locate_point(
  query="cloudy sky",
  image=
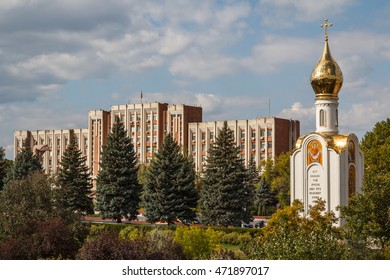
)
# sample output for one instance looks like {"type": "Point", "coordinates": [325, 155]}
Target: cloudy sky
{"type": "Point", "coordinates": [61, 58]}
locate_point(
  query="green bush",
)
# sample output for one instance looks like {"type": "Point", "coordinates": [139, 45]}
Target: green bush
{"type": "Point", "coordinates": [107, 245]}
{"type": "Point", "coordinates": [224, 255]}
{"type": "Point", "coordinates": [244, 238]}
{"type": "Point", "coordinates": [197, 243]}
{"type": "Point", "coordinates": [130, 233]}
{"type": "Point", "coordinates": [252, 231]}
{"type": "Point", "coordinates": [231, 238]}
{"type": "Point", "coordinates": [162, 245]}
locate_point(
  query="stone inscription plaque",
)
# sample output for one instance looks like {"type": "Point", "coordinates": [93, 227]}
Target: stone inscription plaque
{"type": "Point", "coordinates": [315, 182]}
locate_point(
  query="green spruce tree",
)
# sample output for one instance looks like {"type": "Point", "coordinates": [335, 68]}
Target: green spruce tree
{"type": "Point", "coordinates": [25, 163]}
{"type": "Point", "coordinates": [169, 191]}
{"type": "Point", "coordinates": [265, 198]}
{"type": "Point", "coordinates": [3, 168]}
{"type": "Point", "coordinates": [226, 195]}
{"type": "Point", "coordinates": [74, 181]}
{"type": "Point", "coordinates": [117, 188]}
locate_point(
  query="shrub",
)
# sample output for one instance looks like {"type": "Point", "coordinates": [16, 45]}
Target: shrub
{"type": "Point", "coordinates": [221, 254]}
{"type": "Point", "coordinates": [109, 246]}
{"type": "Point", "coordinates": [162, 246]}
{"type": "Point", "coordinates": [197, 243]}
{"type": "Point", "coordinates": [130, 233]}
{"type": "Point", "coordinates": [244, 238]}
{"type": "Point", "coordinates": [43, 240]}
{"type": "Point", "coordinates": [230, 238]}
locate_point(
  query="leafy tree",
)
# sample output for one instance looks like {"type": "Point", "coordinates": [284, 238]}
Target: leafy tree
{"type": "Point", "coordinates": [169, 191]}
{"type": "Point", "coordinates": [117, 188]}
{"type": "Point", "coordinates": [226, 195]}
{"type": "Point", "coordinates": [24, 200]}
{"type": "Point", "coordinates": [74, 181]}
{"type": "Point", "coordinates": [281, 180]}
{"type": "Point", "coordinates": [375, 146]}
{"type": "Point", "coordinates": [277, 175]}
{"type": "Point", "coordinates": [288, 235]}
{"type": "Point", "coordinates": [367, 215]}
{"type": "Point", "coordinates": [33, 225]}
{"type": "Point", "coordinates": [25, 163]}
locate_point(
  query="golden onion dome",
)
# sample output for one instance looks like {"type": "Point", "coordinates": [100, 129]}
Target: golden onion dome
{"type": "Point", "coordinates": [326, 78]}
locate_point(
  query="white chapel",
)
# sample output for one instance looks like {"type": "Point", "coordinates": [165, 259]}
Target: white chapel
{"type": "Point", "coordinates": [326, 164]}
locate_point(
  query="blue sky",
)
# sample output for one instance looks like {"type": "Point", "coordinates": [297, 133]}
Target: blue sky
{"type": "Point", "coordinates": [61, 58]}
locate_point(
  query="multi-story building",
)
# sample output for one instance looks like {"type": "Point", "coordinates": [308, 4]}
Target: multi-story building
{"type": "Point", "coordinates": [260, 139]}
{"type": "Point", "coordinates": [148, 123]}
{"type": "Point", "coordinates": [144, 124]}
{"type": "Point", "coordinates": [98, 130]}
{"type": "Point", "coordinates": [49, 145]}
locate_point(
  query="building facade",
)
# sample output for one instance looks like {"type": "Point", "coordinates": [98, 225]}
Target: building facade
{"type": "Point", "coordinates": [148, 123]}
{"type": "Point", "coordinates": [49, 145]}
{"type": "Point", "coordinates": [99, 123]}
{"type": "Point", "coordinates": [260, 139]}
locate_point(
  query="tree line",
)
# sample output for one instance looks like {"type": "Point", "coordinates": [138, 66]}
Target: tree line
{"type": "Point", "coordinates": [169, 191]}
{"type": "Point", "coordinates": [225, 194]}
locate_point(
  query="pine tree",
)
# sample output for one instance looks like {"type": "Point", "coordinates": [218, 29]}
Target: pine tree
{"type": "Point", "coordinates": [74, 181]}
{"type": "Point", "coordinates": [264, 197]}
{"type": "Point", "coordinates": [117, 188]}
{"type": "Point", "coordinates": [170, 192]}
{"type": "Point", "coordinates": [253, 173]}
{"type": "Point", "coordinates": [226, 195]}
{"type": "Point", "coordinates": [3, 168]}
{"type": "Point", "coordinates": [25, 163]}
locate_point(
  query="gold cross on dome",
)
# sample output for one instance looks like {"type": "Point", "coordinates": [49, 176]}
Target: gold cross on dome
{"type": "Point", "coordinates": [326, 25]}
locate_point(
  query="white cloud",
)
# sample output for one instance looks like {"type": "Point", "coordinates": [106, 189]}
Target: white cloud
{"type": "Point", "coordinates": [285, 13]}
{"type": "Point", "coordinates": [277, 51]}
{"type": "Point", "coordinates": [230, 14]}
{"type": "Point", "coordinates": [210, 103]}
{"type": "Point", "coordinates": [203, 66]}
{"type": "Point", "coordinates": [306, 115]}
{"type": "Point", "coordinates": [362, 114]}
{"type": "Point", "coordinates": [173, 42]}
{"type": "Point", "coordinates": [215, 106]}
{"type": "Point", "coordinates": [60, 65]}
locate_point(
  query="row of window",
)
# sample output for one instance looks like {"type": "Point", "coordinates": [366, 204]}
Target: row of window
{"type": "Point", "coordinates": [242, 134]}
{"type": "Point", "coordinates": [137, 128]}
{"type": "Point", "coordinates": [204, 158]}
{"type": "Point", "coordinates": [242, 146]}
{"type": "Point", "coordinates": [136, 117]}
{"type": "Point", "coordinates": [149, 138]}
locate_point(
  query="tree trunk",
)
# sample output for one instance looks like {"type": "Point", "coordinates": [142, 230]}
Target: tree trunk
{"type": "Point", "coordinates": [119, 220]}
